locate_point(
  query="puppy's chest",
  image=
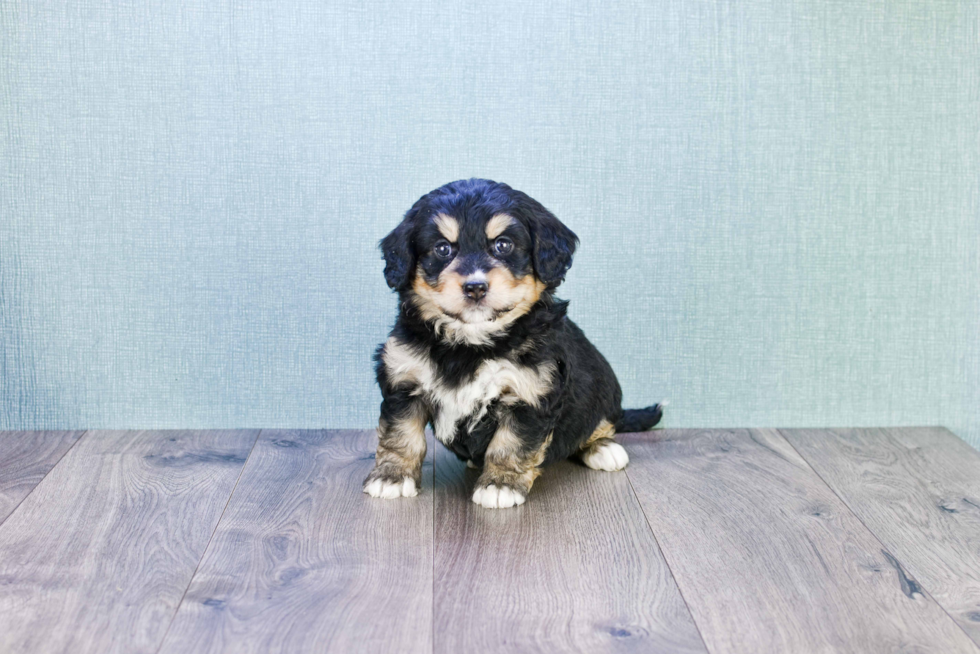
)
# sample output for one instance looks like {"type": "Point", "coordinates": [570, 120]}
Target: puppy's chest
{"type": "Point", "coordinates": [461, 403]}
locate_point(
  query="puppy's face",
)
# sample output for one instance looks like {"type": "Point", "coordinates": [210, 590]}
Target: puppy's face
{"type": "Point", "coordinates": [474, 268]}
{"type": "Point", "coordinates": [476, 253]}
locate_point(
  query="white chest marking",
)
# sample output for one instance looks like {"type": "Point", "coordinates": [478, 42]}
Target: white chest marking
{"type": "Point", "coordinates": [495, 379]}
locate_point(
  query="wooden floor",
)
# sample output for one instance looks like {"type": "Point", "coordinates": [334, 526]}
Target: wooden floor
{"type": "Point", "coordinates": [849, 540]}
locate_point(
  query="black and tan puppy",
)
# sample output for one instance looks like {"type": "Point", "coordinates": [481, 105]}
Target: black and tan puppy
{"type": "Point", "coordinates": [483, 351]}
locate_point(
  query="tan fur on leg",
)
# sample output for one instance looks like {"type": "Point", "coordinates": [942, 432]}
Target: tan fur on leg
{"type": "Point", "coordinates": [508, 470]}
{"type": "Point", "coordinates": [398, 462]}
{"type": "Point", "coordinates": [605, 429]}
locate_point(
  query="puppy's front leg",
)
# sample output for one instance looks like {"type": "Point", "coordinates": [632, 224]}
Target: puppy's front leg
{"type": "Point", "coordinates": [401, 448]}
{"type": "Point", "coordinates": [511, 465]}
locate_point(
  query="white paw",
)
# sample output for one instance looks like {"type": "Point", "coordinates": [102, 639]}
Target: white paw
{"type": "Point", "coordinates": [491, 497]}
{"type": "Point", "coordinates": [608, 456]}
{"type": "Point", "coordinates": [470, 464]}
{"type": "Point", "coordinates": [390, 490]}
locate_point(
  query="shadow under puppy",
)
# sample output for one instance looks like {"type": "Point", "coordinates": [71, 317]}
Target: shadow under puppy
{"type": "Point", "coordinates": [483, 351]}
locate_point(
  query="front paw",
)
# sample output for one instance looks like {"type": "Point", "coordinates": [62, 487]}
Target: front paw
{"type": "Point", "coordinates": [389, 488]}
{"type": "Point", "coordinates": [498, 497]}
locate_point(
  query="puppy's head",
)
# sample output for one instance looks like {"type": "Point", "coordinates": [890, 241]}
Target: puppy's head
{"type": "Point", "coordinates": [475, 252]}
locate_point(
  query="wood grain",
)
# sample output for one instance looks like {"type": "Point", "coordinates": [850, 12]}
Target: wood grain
{"type": "Point", "coordinates": [25, 457]}
{"type": "Point", "coordinates": [97, 557]}
{"type": "Point", "coordinates": [303, 561]}
{"type": "Point", "coordinates": [918, 490]}
{"type": "Point", "coordinates": [575, 569]}
{"type": "Point", "coordinates": [769, 558]}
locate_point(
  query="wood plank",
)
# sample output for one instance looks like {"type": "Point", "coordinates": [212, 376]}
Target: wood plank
{"type": "Point", "coordinates": [769, 559]}
{"type": "Point", "coordinates": [918, 490]}
{"type": "Point", "coordinates": [25, 457]}
{"type": "Point", "coordinates": [303, 561]}
{"type": "Point", "coordinates": [574, 569]}
{"type": "Point", "coordinates": [97, 557]}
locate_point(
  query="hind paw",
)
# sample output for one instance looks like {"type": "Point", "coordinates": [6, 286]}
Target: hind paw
{"type": "Point", "coordinates": [607, 456]}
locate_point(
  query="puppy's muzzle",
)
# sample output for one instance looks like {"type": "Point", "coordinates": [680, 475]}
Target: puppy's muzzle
{"type": "Point", "coordinates": [475, 290]}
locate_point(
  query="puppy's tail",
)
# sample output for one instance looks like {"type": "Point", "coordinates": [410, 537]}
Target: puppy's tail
{"type": "Point", "coordinates": [634, 420]}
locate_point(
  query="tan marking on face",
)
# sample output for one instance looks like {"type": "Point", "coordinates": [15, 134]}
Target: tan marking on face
{"type": "Point", "coordinates": [457, 320]}
{"type": "Point", "coordinates": [605, 429]}
{"type": "Point", "coordinates": [443, 297]}
{"type": "Point", "coordinates": [448, 227]}
{"type": "Point", "coordinates": [497, 225]}
{"type": "Point", "coordinates": [509, 291]}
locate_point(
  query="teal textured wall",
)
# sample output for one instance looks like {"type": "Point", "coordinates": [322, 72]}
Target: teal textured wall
{"type": "Point", "coordinates": [779, 202]}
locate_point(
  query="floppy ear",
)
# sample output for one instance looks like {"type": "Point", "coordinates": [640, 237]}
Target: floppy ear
{"type": "Point", "coordinates": [399, 253]}
{"type": "Point", "coordinates": [554, 244]}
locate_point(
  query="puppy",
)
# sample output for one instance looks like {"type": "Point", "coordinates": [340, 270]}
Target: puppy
{"type": "Point", "coordinates": [483, 351]}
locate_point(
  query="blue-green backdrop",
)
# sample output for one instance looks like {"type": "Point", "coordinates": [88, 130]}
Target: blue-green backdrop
{"type": "Point", "coordinates": [778, 201]}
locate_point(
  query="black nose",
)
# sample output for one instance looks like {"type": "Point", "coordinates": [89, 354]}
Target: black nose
{"type": "Point", "coordinates": [475, 290]}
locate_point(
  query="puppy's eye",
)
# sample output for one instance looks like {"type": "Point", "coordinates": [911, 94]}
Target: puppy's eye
{"type": "Point", "coordinates": [503, 246]}
{"type": "Point", "coordinates": [443, 250]}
